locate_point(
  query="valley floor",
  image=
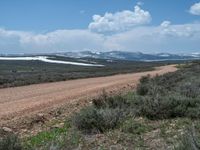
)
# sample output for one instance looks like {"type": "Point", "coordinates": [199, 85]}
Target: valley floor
{"type": "Point", "coordinates": [24, 101]}
{"type": "Point", "coordinates": [159, 113]}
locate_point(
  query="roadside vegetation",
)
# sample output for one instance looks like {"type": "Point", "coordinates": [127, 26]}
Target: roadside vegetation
{"type": "Point", "coordinates": [162, 113]}
{"type": "Point", "coordinates": [18, 73]}
{"type": "Point", "coordinates": [9, 141]}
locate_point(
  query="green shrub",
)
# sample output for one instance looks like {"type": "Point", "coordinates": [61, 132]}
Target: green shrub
{"type": "Point", "coordinates": [94, 120]}
{"type": "Point", "coordinates": [190, 88]}
{"type": "Point", "coordinates": [142, 89]}
{"type": "Point", "coordinates": [164, 107]}
{"type": "Point", "coordinates": [105, 101]}
{"type": "Point", "coordinates": [134, 127]}
{"type": "Point", "coordinates": [10, 142]}
{"type": "Point", "coordinates": [150, 87]}
{"type": "Point", "coordinates": [175, 94]}
{"type": "Point", "coordinates": [193, 112]}
{"type": "Point", "coordinates": [88, 119]}
{"type": "Point", "coordinates": [145, 79]}
{"type": "Point", "coordinates": [189, 141]}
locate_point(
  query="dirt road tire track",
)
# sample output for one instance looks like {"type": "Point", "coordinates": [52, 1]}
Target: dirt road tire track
{"type": "Point", "coordinates": [19, 101]}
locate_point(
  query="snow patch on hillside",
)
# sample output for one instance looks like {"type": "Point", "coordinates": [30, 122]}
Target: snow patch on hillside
{"type": "Point", "coordinates": [45, 59]}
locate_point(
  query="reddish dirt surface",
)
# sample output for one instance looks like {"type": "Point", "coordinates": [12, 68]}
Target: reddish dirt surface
{"type": "Point", "coordinates": [18, 102]}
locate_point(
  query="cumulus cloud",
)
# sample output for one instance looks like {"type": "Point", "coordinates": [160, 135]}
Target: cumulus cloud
{"type": "Point", "coordinates": [195, 9]}
{"type": "Point", "coordinates": [174, 38]}
{"type": "Point", "coordinates": [163, 38]}
{"type": "Point", "coordinates": [120, 21]}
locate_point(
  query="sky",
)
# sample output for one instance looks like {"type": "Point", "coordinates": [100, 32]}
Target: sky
{"type": "Point", "coordinates": [150, 26]}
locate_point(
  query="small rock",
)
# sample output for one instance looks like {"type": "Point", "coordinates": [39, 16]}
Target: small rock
{"type": "Point", "coordinates": [6, 129]}
{"type": "Point", "coordinates": [40, 115]}
{"type": "Point", "coordinates": [61, 125]}
{"type": "Point", "coordinates": [24, 130]}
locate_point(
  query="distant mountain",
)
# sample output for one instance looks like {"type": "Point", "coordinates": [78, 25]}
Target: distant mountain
{"type": "Point", "coordinates": [119, 55]}
{"type": "Point", "coordinates": [135, 56]}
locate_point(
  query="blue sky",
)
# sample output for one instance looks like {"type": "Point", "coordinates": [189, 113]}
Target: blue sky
{"type": "Point", "coordinates": [28, 26]}
{"type": "Point", "coordinates": [42, 15]}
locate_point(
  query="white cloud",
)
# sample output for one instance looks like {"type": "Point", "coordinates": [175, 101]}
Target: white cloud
{"type": "Point", "coordinates": [163, 38]}
{"type": "Point", "coordinates": [165, 24]}
{"type": "Point", "coordinates": [139, 3]}
{"type": "Point", "coordinates": [174, 38]}
{"type": "Point", "coordinates": [59, 40]}
{"type": "Point", "coordinates": [195, 9]}
{"type": "Point", "coordinates": [120, 21]}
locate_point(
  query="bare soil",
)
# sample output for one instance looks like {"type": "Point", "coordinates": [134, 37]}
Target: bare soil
{"type": "Point", "coordinates": [19, 102]}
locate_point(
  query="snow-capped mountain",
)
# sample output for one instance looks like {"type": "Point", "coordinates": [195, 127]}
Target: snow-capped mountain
{"type": "Point", "coordinates": [120, 55]}
{"type": "Point", "coordinates": [135, 56]}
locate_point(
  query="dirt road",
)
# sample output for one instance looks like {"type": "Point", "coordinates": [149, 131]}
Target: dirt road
{"type": "Point", "coordinates": [19, 101]}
